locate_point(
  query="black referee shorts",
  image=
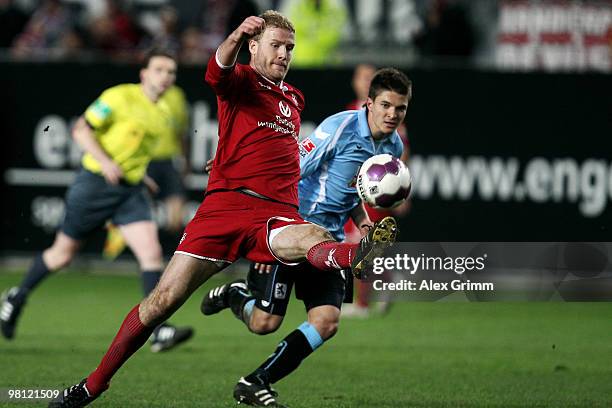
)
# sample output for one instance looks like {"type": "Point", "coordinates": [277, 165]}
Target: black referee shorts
{"type": "Point", "coordinates": [91, 201]}
{"type": "Point", "coordinates": [167, 177]}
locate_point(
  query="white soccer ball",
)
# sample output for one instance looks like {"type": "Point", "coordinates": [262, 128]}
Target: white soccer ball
{"type": "Point", "coordinates": [383, 181]}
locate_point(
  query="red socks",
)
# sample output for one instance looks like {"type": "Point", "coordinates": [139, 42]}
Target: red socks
{"type": "Point", "coordinates": [327, 256]}
{"type": "Point", "coordinates": [332, 255]}
{"type": "Point", "coordinates": [131, 336]}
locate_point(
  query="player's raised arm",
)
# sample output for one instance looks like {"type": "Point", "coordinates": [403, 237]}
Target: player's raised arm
{"type": "Point", "coordinates": [228, 50]}
{"type": "Point", "coordinates": [83, 134]}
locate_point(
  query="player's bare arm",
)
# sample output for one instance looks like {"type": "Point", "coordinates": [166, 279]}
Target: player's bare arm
{"type": "Point", "coordinates": [85, 137]}
{"type": "Point", "coordinates": [361, 218]}
{"type": "Point", "coordinates": [228, 50]}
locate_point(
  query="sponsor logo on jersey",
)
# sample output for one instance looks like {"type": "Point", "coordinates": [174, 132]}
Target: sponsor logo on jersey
{"type": "Point", "coordinates": [285, 110]}
{"type": "Point", "coordinates": [306, 146]}
{"type": "Point", "coordinates": [294, 99]}
{"type": "Point", "coordinates": [280, 291]}
{"type": "Point", "coordinates": [265, 303]}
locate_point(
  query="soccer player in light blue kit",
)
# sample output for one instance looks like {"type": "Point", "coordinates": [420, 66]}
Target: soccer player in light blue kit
{"type": "Point", "coordinates": [330, 160]}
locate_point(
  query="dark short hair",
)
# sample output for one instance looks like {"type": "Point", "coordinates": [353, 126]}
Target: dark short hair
{"type": "Point", "coordinates": [390, 79]}
{"type": "Point", "coordinates": [157, 52]}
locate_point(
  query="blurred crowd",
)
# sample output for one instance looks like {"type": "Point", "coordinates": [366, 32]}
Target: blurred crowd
{"type": "Point", "coordinates": [60, 29]}
{"type": "Point", "coordinates": [65, 29]}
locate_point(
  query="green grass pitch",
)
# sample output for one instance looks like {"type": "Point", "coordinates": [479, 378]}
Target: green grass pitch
{"type": "Point", "coordinates": [442, 354]}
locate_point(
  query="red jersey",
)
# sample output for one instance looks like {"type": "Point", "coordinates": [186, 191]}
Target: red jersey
{"type": "Point", "coordinates": [259, 124]}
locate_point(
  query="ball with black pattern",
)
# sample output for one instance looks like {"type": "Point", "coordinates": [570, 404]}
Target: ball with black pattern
{"type": "Point", "coordinates": [383, 181]}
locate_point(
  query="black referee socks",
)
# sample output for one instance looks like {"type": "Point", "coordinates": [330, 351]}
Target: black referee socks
{"type": "Point", "coordinates": [149, 280]}
{"type": "Point", "coordinates": [36, 274]}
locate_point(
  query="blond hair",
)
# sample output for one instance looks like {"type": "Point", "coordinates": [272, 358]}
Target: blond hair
{"type": "Point", "coordinates": [275, 19]}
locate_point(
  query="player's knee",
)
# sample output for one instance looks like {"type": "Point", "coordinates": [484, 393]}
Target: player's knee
{"type": "Point", "coordinates": [329, 330]}
{"type": "Point", "coordinates": [57, 258]}
{"type": "Point", "coordinates": [63, 260]}
{"type": "Point", "coordinates": [314, 235]}
{"type": "Point", "coordinates": [327, 327]}
{"type": "Point", "coordinates": [264, 325]}
{"type": "Point", "coordinates": [320, 234]}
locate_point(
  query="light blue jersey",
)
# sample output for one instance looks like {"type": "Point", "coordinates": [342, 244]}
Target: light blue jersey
{"type": "Point", "coordinates": [330, 160]}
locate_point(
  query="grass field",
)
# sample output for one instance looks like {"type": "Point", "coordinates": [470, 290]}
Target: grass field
{"type": "Point", "coordinates": [442, 354]}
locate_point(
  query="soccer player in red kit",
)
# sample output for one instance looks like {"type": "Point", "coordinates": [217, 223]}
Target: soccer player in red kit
{"type": "Point", "coordinates": [250, 208]}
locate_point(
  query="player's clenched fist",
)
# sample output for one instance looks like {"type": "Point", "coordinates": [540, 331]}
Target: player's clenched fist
{"type": "Point", "coordinates": [250, 26]}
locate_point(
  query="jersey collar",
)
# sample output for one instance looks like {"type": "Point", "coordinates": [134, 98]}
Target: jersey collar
{"type": "Point", "coordinates": [280, 86]}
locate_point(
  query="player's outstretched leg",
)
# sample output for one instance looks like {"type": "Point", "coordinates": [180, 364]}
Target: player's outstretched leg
{"type": "Point", "coordinates": [76, 396]}
{"type": "Point", "coordinates": [257, 395]}
{"type": "Point", "coordinates": [255, 389]}
{"type": "Point", "coordinates": [232, 295]}
{"type": "Point", "coordinates": [142, 238]}
{"type": "Point", "coordinates": [11, 303]}
{"type": "Point", "coordinates": [131, 336]}
{"type": "Point", "coordinates": [57, 256]}
{"type": "Point", "coordinates": [182, 277]}
{"type": "Point", "coordinates": [14, 299]}
{"type": "Point", "coordinates": [382, 234]}
{"type": "Point", "coordinates": [165, 336]}
{"type": "Point", "coordinates": [328, 255]}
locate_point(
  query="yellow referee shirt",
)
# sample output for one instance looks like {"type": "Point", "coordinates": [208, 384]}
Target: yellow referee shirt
{"type": "Point", "coordinates": [133, 130]}
{"type": "Point", "coordinates": [170, 142]}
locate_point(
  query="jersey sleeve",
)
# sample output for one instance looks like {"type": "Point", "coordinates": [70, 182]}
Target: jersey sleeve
{"type": "Point", "coordinates": [319, 147]}
{"type": "Point", "coordinates": [100, 113]}
{"type": "Point", "coordinates": [223, 80]}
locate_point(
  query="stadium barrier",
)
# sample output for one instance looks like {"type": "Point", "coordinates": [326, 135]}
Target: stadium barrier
{"type": "Point", "coordinates": [495, 156]}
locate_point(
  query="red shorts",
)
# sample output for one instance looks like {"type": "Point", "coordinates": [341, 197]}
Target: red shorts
{"type": "Point", "coordinates": [229, 225]}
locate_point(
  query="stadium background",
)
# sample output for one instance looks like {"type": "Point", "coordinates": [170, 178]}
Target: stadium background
{"type": "Point", "coordinates": [509, 131]}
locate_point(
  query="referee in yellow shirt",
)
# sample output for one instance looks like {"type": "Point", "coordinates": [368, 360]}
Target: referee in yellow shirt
{"type": "Point", "coordinates": [168, 162]}
{"type": "Point", "coordinates": [119, 133]}
{"type": "Point", "coordinates": [165, 171]}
